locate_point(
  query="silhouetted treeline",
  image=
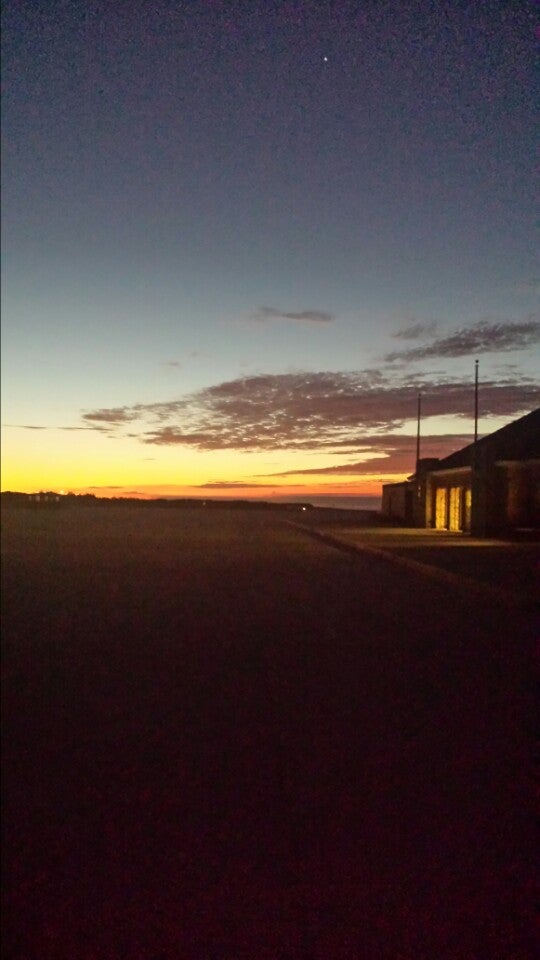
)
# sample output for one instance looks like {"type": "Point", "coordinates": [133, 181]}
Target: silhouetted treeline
{"type": "Point", "coordinates": [48, 498]}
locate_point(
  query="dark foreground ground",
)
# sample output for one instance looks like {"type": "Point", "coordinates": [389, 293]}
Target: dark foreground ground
{"type": "Point", "coordinates": [226, 741]}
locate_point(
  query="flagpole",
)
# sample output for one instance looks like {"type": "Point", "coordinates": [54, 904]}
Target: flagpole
{"type": "Point", "coordinates": [475, 401]}
{"type": "Point", "coordinates": [418, 430]}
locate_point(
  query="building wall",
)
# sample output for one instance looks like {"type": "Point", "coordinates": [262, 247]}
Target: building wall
{"type": "Point", "coordinates": [397, 501]}
{"type": "Point", "coordinates": [523, 493]}
{"type": "Point", "coordinates": [496, 498]}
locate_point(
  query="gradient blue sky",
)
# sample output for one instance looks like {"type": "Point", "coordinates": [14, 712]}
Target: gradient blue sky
{"type": "Point", "coordinates": [210, 193]}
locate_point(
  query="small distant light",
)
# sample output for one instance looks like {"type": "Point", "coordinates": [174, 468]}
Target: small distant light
{"type": "Point", "coordinates": [325, 59]}
{"type": "Point", "coordinates": [303, 508]}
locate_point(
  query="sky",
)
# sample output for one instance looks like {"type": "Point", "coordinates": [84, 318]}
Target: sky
{"type": "Point", "coordinates": [240, 237]}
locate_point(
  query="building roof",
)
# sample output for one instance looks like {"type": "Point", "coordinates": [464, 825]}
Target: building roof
{"type": "Point", "coordinates": [519, 440]}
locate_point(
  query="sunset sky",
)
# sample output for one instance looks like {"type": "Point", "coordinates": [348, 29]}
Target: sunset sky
{"type": "Point", "coordinates": [239, 237]}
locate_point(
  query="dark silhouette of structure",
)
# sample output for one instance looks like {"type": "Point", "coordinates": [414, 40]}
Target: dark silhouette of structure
{"type": "Point", "coordinates": [489, 487]}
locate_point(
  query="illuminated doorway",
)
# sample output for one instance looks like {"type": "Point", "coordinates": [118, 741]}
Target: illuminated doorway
{"type": "Point", "coordinates": [468, 507]}
{"type": "Point", "coordinates": [440, 508]}
{"type": "Point", "coordinates": [454, 513]}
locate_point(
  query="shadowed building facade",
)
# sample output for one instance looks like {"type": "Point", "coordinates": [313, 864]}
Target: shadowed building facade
{"type": "Point", "coordinates": [489, 487]}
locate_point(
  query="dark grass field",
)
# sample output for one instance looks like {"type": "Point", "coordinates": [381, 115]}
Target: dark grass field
{"type": "Point", "coordinates": [226, 741]}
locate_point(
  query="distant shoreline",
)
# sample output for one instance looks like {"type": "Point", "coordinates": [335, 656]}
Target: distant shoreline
{"type": "Point", "coordinates": [340, 503]}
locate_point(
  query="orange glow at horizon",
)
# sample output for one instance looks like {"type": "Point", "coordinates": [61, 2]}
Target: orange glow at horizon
{"type": "Point", "coordinates": [243, 491]}
{"type": "Point", "coordinates": [89, 463]}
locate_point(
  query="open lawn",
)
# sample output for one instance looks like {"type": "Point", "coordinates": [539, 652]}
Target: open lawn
{"type": "Point", "coordinates": [224, 740]}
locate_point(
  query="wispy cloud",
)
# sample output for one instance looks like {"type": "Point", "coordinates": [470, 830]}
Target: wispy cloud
{"type": "Point", "coordinates": [106, 486]}
{"type": "Point", "coordinates": [310, 411]}
{"type": "Point", "coordinates": [264, 314]}
{"type": "Point", "coordinates": [180, 364]}
{"type": "Point", "coordinates": [34, 426]}
{"type": "Point", "coordinates": [25, 426]}
{"type": "Point", "coordinates": [483, 337]}
{"type": "Point", "coordinates": [416, 330]}
{"type": "Point", "coordinates": [234, 485]}
{"type": "Point", "coordinates": [112, 415]}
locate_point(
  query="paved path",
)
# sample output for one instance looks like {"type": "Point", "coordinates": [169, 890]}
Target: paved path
{"type": "Point", "coordinates": [225, 740]}
{"type": "Point", "coordinates": [507, 571]}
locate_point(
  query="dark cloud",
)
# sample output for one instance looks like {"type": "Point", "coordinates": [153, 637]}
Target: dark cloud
{"type": "Point", "coordinates": [262, 314]}
{"type": "Point", "coordinates": [32, 426]}
{"type": "Point", "coordinates": [106, 486]}
{"type": "Point", "coordinates": [395, 454]}
{"type": "Point", "coordinates": [312, 411]}
{"type": "Point", "coordinates": [233, 485]}
{"type": "Point", "coordinates": [416, 330]}
{"type": "Point", "coordinates": [26, 426]}
{"type": "Point", "coordinates": [170, 436]}
{"type": "Point", "coordinates": [179, 364]}
{"type": "Point", "coordinates": [112, 415]}
{"type": "Point", "coordinates": [483, 337]}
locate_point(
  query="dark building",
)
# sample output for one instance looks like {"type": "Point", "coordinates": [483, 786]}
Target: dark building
{"type": "Point", "coordinates": [406, 501]}
{"type": "Point", "coordinates": [489, 487]}
{"type": "Point", "coordinates": [44, 498]}
{"type": "Point", "coordinates": [397, 501]}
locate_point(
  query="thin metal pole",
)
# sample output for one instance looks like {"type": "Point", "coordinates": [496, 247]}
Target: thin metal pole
{"type": "Point", "coordinates": [475, 401]}
{"type": "Point", "coordinates": [418, 429]}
